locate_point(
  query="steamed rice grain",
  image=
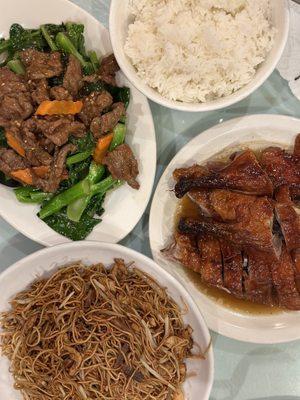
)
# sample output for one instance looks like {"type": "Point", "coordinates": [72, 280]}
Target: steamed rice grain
{"type": "Point", "coordinates": [198, 50]}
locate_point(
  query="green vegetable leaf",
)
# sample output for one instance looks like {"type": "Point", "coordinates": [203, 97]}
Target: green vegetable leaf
{"type": "Point", "coordinates": [119, 94]}
{"type": "Point", "coordinates": [72, 230]}
{"type": "Point", "coordinates": [76, 34]}
{"type": "Point", "coordinates": [85, 143]}
{"type": "Point", "coordinates": [20, 38]}
{"type": "Point", "coordinates": [77, 172]}
{"type": "Point", "coordinates": [95, 206]}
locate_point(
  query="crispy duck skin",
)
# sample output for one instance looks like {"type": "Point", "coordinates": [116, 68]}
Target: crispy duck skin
{"type": "Point", "coordinates": [258, 281]}
{"type": "Point", "coordinates": [288, 217]}
{"type": "Point", "coordinates": [243, 174]}
{"type": "Point", "coordinates": [251, 222]}
{"type": "Point", "coordinates": [184, 249]}
{"type": "Point", "coordinates": [284, 281]}
{"type": "Point", "coordinates": [224, 205]}
{"type": "Point", "coordinates": [296, 265]}
{"type": "Point", "coordinates": [232, 269]}
{"type": "Point", "coordinates": [195, 171]}
{"type": "Point", "coordinates": [282, 167]}
{"type": "Point", "coordinates": [211, 261]}
{"type": "Point", "coordinates": [297, 146]}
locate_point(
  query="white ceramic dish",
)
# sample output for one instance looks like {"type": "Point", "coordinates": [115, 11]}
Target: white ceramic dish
{"type": "Point", "coordinates": [21, 274]}
{"type": "Point", "coordinates": [258, 131]}
{"type": "Point", "coordinates": [123, 207]}
{"type": "Point", "coordinates": [120, 18]}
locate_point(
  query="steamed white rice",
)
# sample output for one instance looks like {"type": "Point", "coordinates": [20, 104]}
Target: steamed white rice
{"type": "Point", "coordinates": [198, 50]}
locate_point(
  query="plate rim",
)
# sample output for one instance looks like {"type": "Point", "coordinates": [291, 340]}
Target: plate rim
{"type": "Point", "coordinates": [226, 329]}
{"type": "Point", "coordinates": [104, 246]}
{"type": "Point", "coordinates": [64, 239]}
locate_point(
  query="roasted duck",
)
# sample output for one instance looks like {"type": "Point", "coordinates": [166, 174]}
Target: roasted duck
{"type": "Point", "coordinates": [246, 237]}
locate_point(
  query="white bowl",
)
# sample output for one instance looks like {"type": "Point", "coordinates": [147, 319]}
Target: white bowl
{"type": "Point", "coordinates": [256, 131]}
{"type": "Point", "coordinates": [123, 207]}
{"type": "Point", "coordinates": [20, 275]}
{"type": "Point", "coordinates": [119, 20]}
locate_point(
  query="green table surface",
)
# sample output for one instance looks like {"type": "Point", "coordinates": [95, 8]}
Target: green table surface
{"type": "Point", "coordinates": [243, 371]}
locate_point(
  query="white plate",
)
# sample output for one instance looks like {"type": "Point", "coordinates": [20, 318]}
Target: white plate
{"type": "Point", "coordinates": [259, 131]}
{"type": "Point", "coordinates": [123, 207]}
{"type": "Point", "coordinates": [21, 274]}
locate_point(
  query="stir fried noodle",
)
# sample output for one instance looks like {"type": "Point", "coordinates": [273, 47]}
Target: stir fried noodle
{"type": "Point", "coordinates": [91, 333]}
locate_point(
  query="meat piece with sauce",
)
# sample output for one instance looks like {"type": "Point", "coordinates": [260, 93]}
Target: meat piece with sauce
{"type": "Point", "coordinates": [39, 90]}
{"type": "Point", "coordinates": [94, 105]}
{"type": "Point", "coordinates": [250, 225]}
{"type": "Point", "coordinates": [282, 167]}
{"type": "Point", "coordinates": [73, 77]}
{"type": "Point", "coordinates": [58, 129]}
{"type": "Point", "coordinates": [122, 165]}
{"type": "Point", "coordinates": [57, 170]}
{"type": "Point", "coordinates": [108, 69]}
{"type": "Point", "coordinates": [107, 122]}
{"type": "Point", "coordinates": [10, 161]}
{"type": "Point", "coordinates": [40, 65]}
{"type": "Point", "coordinates": [243, 174]}
{"type": "Point", "coordinates": [15, 98]}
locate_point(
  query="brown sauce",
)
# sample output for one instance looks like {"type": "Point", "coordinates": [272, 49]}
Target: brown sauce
{"type": "Point", "coordinates": [187, 208]}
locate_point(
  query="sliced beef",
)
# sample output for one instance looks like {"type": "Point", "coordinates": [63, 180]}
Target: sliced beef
{"type": "Point", "coordinates": [297, 146]}
{"type": "Point", "coordinates": [195, 171]}
{"type": "Point", "coordinates": [282, 167]}
{"type": "Point", "coordinates": [35, 154]}
{"type": "Point", "coordinates": [73, 76]}
{"type": "Point", "coordinates": [258, 282]}
{"type": "Point", "coordinates": [41, 65]}
{"type": "Point", "coordinates": [46, 144]}
{"type": "Point", "coordinates": [232, 269]}
{"type": "Point", "coordinates": [56, 128]}
{"type": "Point", "coordinates": [184, 249]}
{"type": "Point", "coordinates": [94, 105]}
{"type": "Point", "coordinates": [57, 170]}
{"type": "Point", "coordinates": [39, 90]}
{"type": "Point", "coordinates": [108, 69]}
{"type": "Point", "coordinates": [60, 93]}
{"type": "Point", "coordinates": [243, 174]}
{"type": "Point", "coordinates": [122, 165]}
{"type": "Point", "coordinates": [107, 122]}
{"type": "Point", "coordinates": [211, 261]}
{"type": "Point", "coordinates": [284, 281]}
{"type": "Point", "coordinates": [10, 161]}
{"type": "Point", "coordinates": [252, 228]}
{"type": "Point", "coordinates": [15, 99]}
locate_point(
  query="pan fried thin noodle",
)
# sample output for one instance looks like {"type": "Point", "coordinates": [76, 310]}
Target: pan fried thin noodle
{"type": "Point", "coordinates": [90, 333]}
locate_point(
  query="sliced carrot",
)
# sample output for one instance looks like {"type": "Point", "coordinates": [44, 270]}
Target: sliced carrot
{"type": "Point", "coordinates": [41, 171]}
{"type": "Point", "coordinates": [25, 175]}
{"type": "Point", "coordinates": [14, 143]}
{"type": "Point", "coordinates": [59, 107]}
{"type": "Point", "coordinates": [102, 148]}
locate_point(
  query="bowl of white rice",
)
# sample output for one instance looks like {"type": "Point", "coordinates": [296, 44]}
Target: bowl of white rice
{"type": "Point", "coordinates": [198, 55]}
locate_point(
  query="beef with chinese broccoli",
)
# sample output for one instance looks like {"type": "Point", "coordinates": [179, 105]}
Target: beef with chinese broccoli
{"type": "Point", "coordinates": [62, 126]}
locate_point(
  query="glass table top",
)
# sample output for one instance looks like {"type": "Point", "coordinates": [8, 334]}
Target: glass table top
{"type": "Point", "coordinates": [243, 371]}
